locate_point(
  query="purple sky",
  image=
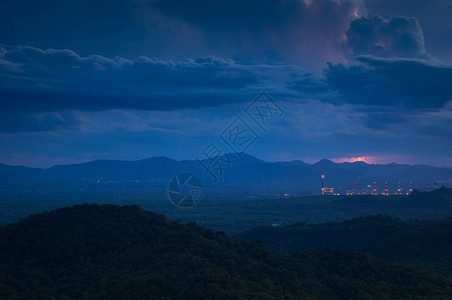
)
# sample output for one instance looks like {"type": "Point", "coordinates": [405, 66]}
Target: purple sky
{"type": "Point", "coordinates": [356, 80]}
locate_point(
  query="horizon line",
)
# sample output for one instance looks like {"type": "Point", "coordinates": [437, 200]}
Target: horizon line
{"type": "Point", "coordinates": [79, 162]}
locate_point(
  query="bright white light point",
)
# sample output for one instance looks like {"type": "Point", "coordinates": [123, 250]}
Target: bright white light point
{"type": "Point", "coordinates": [355, 13]}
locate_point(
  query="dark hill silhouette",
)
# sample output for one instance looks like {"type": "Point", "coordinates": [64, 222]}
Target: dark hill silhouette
{"type": "Point", "coordinates": [105, 252]}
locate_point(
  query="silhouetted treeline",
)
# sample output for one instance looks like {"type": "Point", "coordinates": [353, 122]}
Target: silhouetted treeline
{"type": "Point", "coordinates": [426, 243]}
{"type": "Point", "coordinates": [105, 252]}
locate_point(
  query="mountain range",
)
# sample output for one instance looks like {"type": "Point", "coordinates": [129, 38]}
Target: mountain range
{"type": "Point", "coordinates": [247, 174]}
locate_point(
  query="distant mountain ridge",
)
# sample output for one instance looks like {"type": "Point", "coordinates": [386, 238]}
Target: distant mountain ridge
{"type": "Point", "coordinates": [291, 177]}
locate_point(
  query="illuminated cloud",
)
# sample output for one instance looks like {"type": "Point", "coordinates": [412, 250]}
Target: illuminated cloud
{"type": "Point", "coordinates": [397, 37]}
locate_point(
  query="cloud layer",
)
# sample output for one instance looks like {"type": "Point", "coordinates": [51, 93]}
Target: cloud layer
{"type": "Point", "coordinates": [36, 79]}
{"type": "Point", "coordinates": [39, 80]}
{"type": "Point", "coordinates": [137, 78]}
{"type": "Point", "coordinates": [392, 82]}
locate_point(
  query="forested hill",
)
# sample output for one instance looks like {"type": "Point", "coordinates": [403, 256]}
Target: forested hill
{"type": "Point", "coordinates": [426, 243]}
{"type": "Point", "coordinates": [112, 252]}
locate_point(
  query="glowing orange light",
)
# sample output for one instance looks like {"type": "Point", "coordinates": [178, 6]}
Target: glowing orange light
{"type": "Point", "coordinates": [366, 159]}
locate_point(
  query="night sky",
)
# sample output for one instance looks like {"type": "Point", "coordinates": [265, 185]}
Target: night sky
{"type": "Point", "coordinates": [101, 79]}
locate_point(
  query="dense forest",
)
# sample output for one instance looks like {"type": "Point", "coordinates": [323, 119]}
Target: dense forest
{"type": "Point", "coordinates": [108, 251]}
{"type": "Point", "coordinates": [422, 243]}
{"type": "Point", "coordinates": [234, 215]}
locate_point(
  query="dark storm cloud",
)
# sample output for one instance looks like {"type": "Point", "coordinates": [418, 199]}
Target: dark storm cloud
{"type": "Point", "coordinates": [291, 30]}
{"type": "Point", "coordinates": [432, 15]}
{"type": "Point", "coordinates": [383, 81]}
{"type": "Point", "coordinates": [394, 37]}
{"type": "Point", "coordinates": [294, 31]}
{"type": "Point", "coordinates": [100, 26]}
{"type": "Point", "coordinates": [37, 79]}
